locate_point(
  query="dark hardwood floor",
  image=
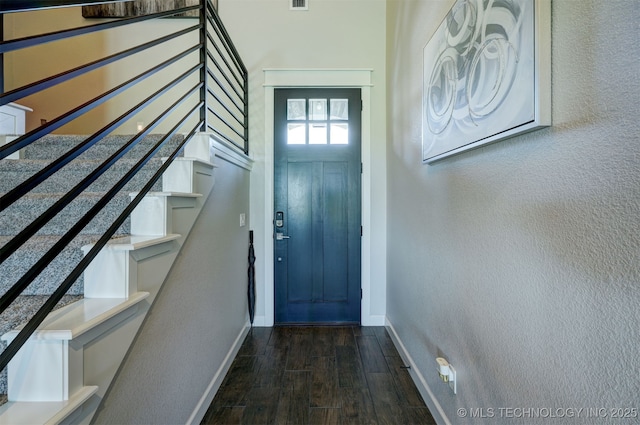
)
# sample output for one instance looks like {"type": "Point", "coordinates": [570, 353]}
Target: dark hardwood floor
{"type": "Point", "coordinates": [318, 375]}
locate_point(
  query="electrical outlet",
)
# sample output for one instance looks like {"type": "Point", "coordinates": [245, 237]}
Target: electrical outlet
{"type": "Point", "coordinates": [243, 220]}
{"type": "Point", "coordinates": [453, 379]}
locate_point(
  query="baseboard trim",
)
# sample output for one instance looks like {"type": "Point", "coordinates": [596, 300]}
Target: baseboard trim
{"type": "Point", "coordinates": [206, 399]}
{"type": "Point", "coordinates": [262, 322]}
{"type": "Point", "coordinates": [374, 320]}
{"type": "Point", "coordinates": [432, 403]}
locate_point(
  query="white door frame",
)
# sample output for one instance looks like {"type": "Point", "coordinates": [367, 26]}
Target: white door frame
{"type": "Point", "coordinates": [287, 78]}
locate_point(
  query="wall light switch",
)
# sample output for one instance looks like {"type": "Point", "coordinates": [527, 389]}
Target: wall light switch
{"type": "Point", "coordinates": [243, 220]}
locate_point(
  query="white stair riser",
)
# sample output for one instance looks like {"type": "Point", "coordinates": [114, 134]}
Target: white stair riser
{"type": "Point", "coordinates": [50, 366]}
{"type": "Point", "coordinates": [151, 217]}
{"type": "Point", "coordinates": [111, 274]}
{"type": "Point", "coordinates": [199, 147]}
{"type": "Point", "coordinates": [179, 177]}
{"type": "Point", "coordinates": [154, 214]}
{"type": "Point", "coordinates": [45, 370]}
{"type": "Point", "coordinates": [58, 364]}
{"type": "Point", "coordinates": [114, 271]}
{"type": "Point", "coordinates": [4, 140]}
{"type": "Point", "coordinates": [182, 175]}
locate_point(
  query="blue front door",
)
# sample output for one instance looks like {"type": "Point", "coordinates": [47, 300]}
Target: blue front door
{"type": "Point", "coordinates": [317, 205]}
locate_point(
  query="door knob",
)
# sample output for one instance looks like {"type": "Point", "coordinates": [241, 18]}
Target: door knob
{"type": "Point", "coordinates": [281, 236]}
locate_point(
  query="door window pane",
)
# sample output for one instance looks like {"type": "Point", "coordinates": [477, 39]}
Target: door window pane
{"type": "Point", "coordinates": [317, 109]}
{"type": "Point", "coordinates": [339, 109]}
{"type": "Point", "coordinates": [296, 134]}
{"type": "Point", "coordinates": [296, 109]}
{"type": "Point", "coordinates": [318, 134]}
{"type": "Point", "coordinates": [339, 134]}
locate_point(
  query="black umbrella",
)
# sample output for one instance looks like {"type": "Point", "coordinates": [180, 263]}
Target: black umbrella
{"type": "Point", "coordinates": [251, 290]}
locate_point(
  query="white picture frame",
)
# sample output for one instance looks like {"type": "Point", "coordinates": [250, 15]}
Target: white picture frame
{"type": "Point", "coordinates": [486, 75]}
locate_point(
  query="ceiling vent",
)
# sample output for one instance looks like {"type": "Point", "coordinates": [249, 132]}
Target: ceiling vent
{"type": "Point", "coordinates": [298, 4]}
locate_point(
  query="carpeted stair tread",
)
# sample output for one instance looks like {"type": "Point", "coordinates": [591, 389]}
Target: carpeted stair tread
{"type": "Point", "coordinates": [55, 145]}
{"type": "Point", "coordinates": [18, 215]}
{"type": "Point", "coordinates": [12, 269]}
{"type": "Point", "coordinates": [14, 172]}
{"type": "Point", "coordinates": [13, 317]}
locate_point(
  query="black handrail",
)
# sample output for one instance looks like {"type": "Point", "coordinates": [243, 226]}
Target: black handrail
{"type": "Point", "coordinates": [47, 307]}
{"type": "Point", "coordinates": [240, 89]}
{"type": "Point", "coordinates": [65, 200]}
{"type": "Point", "coordinates": [226, 38]}
{"type": "Point", "coordinates": [223, 121]}
{"type": "Point", "coordinates": [33, 181]}
{"type": "Point", "coordinates": [222, 56]}
{"type": "Point", "coordinates": [202, 19]}
{"type": "Point", "coordinates": [51, 254]}
{"type": "Point", "coordinates": [225, 106]}
{"type": "Point", "coordinates": [35, 40]}
{"type": "Point", "coordinates": [213, 111]}
{"type": "Point", "coordinates": [223, 87]}
{"type": "Point", "coordinates": [46, 83]}
{"type": "Point", "coordinates": [37, 268]}
{"type": "Point", "coordinates": [66, 118]}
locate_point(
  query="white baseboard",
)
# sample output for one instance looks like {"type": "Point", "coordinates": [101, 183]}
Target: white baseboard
{"type": "Point", "coordinates": [206, 399]}
{"type": "Point", "coordinates": [374, 320]}
{"type": "Point", "coordinates": [261, 322]}
{"type": "Point", "coordinates": [418, 379]}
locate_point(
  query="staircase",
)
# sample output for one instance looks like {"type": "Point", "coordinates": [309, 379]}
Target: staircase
{"type": "Point", "coordinates": [61, 374]}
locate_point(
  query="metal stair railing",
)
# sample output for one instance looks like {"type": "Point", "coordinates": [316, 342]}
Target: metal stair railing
{"type": "Point", "coordinates": [216, 104]}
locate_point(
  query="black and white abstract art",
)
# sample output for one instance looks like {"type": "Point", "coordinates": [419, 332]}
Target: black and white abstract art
{"type": "Point", "coordinates": [486, 75]}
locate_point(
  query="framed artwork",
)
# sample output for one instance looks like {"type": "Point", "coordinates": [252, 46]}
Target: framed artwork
{"type": "Point", "coordinates": [487, 75]}
{"type": "Point", "coordinates": [140, 7]}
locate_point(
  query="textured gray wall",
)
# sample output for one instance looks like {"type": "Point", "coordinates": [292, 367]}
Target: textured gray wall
{"type": "Point", "coordinates": [196, 317]}
{"type": "Point", "coordinates": [520, 262]}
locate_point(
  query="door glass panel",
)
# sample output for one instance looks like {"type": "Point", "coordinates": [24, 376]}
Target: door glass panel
{"type": "Point", "coordinates": [339, 134]}
{"type": "Point", "coordinates": [317, 109]}
{"type": "Point", "coordinates": [339, 109]}
{"type": "Point", "coordinates": [296, 109]}
{"type": "Point", "coordinates": [318, 134]}
{"type": "Point", "coordinates": [296, 134]}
